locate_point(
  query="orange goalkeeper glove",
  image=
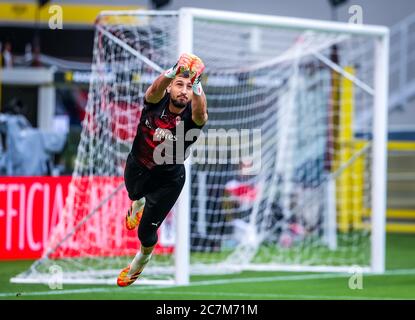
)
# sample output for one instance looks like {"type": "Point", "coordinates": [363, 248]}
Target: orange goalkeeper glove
{"type": "Point", "coordinates": [196, 69]}
{"type": "Point", "coordinates": [181, 66]}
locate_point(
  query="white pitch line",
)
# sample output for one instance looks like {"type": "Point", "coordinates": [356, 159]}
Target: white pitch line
{"type": "Point", "coordinates": [267, 295]}
{"type": "Point", "coordinates": [218, 294]}
{"type": "Point", "coordinates": [154, 289]}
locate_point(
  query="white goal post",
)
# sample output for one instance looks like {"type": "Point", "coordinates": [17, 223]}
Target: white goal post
{"type": "Point", "coordinates": [316, 91]}
{"type": "Point", "coordinates": [379, 149]}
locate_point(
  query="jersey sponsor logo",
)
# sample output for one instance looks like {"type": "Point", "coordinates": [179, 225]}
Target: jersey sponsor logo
{"type": "Point", "coordinates": [164, 134]}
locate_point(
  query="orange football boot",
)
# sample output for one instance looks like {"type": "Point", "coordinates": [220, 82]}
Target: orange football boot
{"type": "Point", "coordinates": [134, 213]}
{"type": "Point", "coordinates": [124, 280]}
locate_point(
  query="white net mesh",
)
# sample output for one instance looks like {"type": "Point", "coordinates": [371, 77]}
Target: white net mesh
{"type": "Point", "coordinates": [306, 206]}
{"type": "Point", "coordinates": [280, 177]}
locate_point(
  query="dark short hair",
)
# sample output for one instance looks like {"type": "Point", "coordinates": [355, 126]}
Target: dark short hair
{"type": "Point", "coordinates": [185, 74]}
{"type": "Point", "coordinates": [181, 75]}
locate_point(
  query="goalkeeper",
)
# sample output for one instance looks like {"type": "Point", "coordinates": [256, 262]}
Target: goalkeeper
{"type": "Point", "coordinates": [174, 98]}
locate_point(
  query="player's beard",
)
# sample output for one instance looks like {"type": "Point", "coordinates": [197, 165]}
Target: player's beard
{"type": "Point", "coordinates": [178, 104]}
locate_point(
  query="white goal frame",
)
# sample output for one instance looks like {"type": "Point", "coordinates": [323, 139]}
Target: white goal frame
{"type": "Point", "coordinates": [379, 147]}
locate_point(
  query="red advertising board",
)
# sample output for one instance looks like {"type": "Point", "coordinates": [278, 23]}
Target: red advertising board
{"type": "Point", "coordinates": [29, 209]}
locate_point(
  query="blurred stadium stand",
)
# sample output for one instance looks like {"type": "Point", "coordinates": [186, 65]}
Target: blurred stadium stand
{"type": "Point", "coordinates": [401, 161]}
{"type": "Point", "coordinates": [26, 151]}
{"type": "Point", "coordinates": [51, 80]}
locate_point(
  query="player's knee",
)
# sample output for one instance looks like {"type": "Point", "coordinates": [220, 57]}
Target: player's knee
{"type": "Point", "coordinates": [131, 196]}
{"type": "Point", "coordinates": [148, 236]}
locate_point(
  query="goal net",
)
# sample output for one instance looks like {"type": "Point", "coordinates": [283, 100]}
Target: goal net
{"type": "Point", "coordinates": [283, 175]}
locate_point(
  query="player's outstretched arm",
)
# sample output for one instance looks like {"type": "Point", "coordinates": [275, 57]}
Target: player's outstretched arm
{"type": "Point", "coordinates": [199, 103]}
{"type": "Point", "coordinates": [158, 88]}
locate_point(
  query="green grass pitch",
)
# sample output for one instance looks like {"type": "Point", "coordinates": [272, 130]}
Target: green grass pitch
{"type": "Point", "coordinates": [397, 283]}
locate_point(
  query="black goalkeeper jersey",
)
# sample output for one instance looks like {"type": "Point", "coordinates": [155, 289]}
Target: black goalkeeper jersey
{"type": "Point", "coordinates": [160, 126]}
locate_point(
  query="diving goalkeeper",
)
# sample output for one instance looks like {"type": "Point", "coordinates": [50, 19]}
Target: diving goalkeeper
{"type": "Point", "coordinates": [174, 99]}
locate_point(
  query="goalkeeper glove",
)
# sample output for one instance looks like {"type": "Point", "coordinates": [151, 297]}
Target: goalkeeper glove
{"type": "Point", "coordinates": [181, 66]}
{"type": "Point", "coordinates": [196, 69]}
{"type": "Point", "coordinates": [197, 86]}
{"type": "Point", "coordinates": [191, 64]}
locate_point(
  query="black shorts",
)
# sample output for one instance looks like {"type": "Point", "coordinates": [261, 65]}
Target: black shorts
{"type": "Point", "coordinates": [161, 187]}
{"type": "Point", "coordinates": [141, 181]}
